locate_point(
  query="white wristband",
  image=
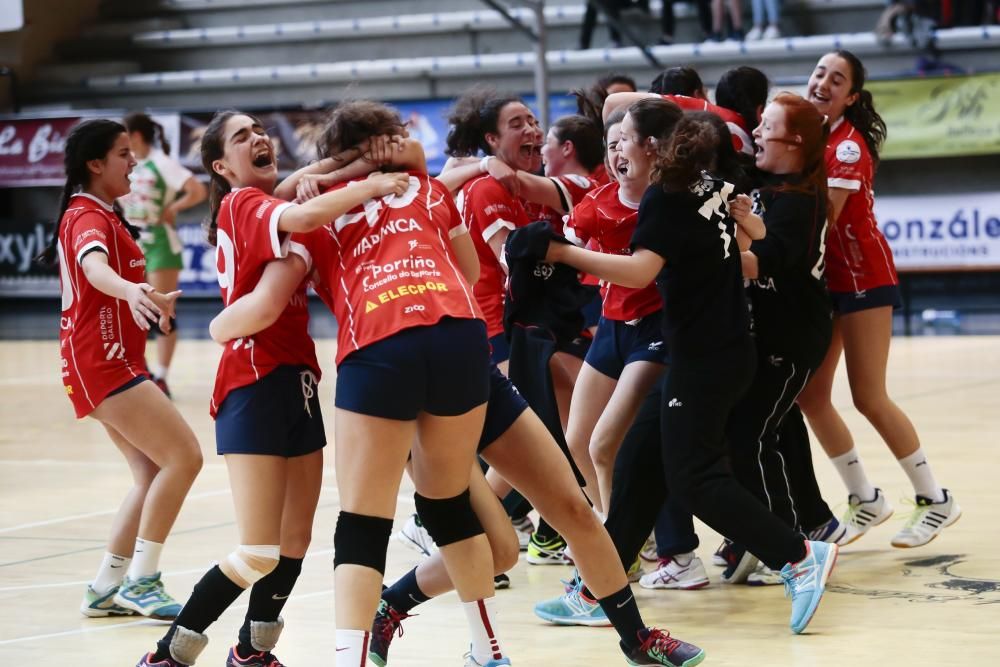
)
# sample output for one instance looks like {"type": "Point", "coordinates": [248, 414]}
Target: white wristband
{"type": "Point", "coordinates": [484, 164]}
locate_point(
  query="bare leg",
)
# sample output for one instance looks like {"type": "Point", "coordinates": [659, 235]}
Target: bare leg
{"type": "Point", "coordinates": [816, 401]}
{"type": "Point", "coordinates": [565, 369]}
{"type": "Point", "coordinates": [305, 478]}
{"type": "Point", "coordinates": [125, 526]}
{"type": "Point", "coordinates": [590, 397]}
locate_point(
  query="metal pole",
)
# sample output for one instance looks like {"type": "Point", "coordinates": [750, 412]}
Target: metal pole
{"type": "Point", "coordinates": [541, 63]}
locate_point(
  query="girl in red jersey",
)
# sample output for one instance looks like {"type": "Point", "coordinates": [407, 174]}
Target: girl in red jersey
{"type": "Point", "coordinates": [267, 416]}
{"type": "Point", "coordinates": [627, 355]}
{"type": "Point", "coordinates": [106, 313]}
{"type": "Point", "coordinates": [861, 277]}
{"type": "Point", "coordinates": [412, 360]}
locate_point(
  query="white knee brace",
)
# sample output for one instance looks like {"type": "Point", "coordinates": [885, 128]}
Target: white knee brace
{"type": "Point", "coordinates": [250, 563]}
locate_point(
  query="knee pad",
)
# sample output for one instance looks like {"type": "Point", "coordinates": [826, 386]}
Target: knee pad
{"type": "Point", "coordinates": [186, 645]}
{"type": "Point", "coordinates": [448, 520]}
{"type": "Point", "coordinates": [361, 540]}
{"type": "Point", "coordinates": [250, 563]}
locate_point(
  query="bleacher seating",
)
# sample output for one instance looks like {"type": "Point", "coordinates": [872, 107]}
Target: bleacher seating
{"type": "Point", "coordinates": [183, 53]}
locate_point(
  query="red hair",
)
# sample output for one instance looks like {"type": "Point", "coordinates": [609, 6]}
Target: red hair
{"type": "Point", "coordinates": [813, 129]}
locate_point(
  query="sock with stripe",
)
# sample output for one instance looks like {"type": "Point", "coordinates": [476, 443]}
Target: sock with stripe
{"type": "Point", "coordinates": [482, 628]}
{"type": "Point", "coordinates": [352, 648]}
{"type": "Point", "coordinates": [111, 573]}
{"type": "Point", "coordinates": [405, 594]}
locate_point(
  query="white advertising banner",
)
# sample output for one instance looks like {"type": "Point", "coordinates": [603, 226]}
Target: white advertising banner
{"type": "Point", "coordinates": [942, 231]}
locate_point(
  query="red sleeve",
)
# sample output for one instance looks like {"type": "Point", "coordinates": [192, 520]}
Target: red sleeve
{"type": "Point", "coordinates": [90, 231]}
{"type": "Point", "coordinates": [574, 188]}
{"type": "Point", "coordinates": [308, 246]}
{"type": "Point", "coordinates": [582, 221]}
{"type": "Point", "coordinates": [849, 164]}
{"type": "Point", "coordinates": [454, 222]}
{"type": "Point", "coordinates": [494, 207]}
{"type": "Point", "coordinates": [255, 218]}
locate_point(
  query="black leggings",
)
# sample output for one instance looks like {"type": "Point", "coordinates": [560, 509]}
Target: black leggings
{"type": "Point", "coordinates": [769, 444]}
{"type": "Point", "coordinates": [688, 456]}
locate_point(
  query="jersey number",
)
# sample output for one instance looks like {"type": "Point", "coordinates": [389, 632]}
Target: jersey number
{"type": "Point", "coordinates": [718, 206]}
{"type": "Point", "coordinates": [820, 266]}
{"type": "Point", "coordinates": [374, 206]}
{"type": "Point", "coordinates": [224, 253]}
{"type": "Point", "coordinates": [726, 239]}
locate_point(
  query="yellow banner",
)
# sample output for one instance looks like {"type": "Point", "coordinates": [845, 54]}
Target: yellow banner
{"type": "Point", "coordinates": [939, 117]}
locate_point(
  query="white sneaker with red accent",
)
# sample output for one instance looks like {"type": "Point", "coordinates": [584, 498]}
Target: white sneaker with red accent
{"type": "Point", "coordinates": [683, 571]}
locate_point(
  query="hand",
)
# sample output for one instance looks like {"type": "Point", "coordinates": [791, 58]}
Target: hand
{"type": "Point", "coordinates": [169, 216]}
{"type": "Point", "coordinates": [389, 184]}
{"type": "Point", "coordinates": [381, 149]}
{"type": "Point", "coordinates": [499, 170]}
{"type": "Point", "coordinates": [167, 305]}
{"type": "Point", "coordinates": [312, 185]}
{"type": "Point", "coordinates": [740, 207]}
{"type": "Point", "coordinates": [144, 310]}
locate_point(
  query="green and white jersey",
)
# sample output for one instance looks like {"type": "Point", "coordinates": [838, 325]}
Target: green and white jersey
{"type": "Point", "coordinates": [155, 183]}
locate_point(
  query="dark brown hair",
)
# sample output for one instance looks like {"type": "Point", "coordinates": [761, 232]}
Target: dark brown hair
{"type": "Point", "coordinates": [351, 123]}
{"type": "Point", "coordinates": [680, 80]}
{"type": "Point", "coordinates": [690, 150]}
{"type": "Point", "coordinates": [90, 140]}
{"type": "Point", "coordinates": [862, 114]}
{"type": "Point", "coordinates": [475, 114]}
{"type": "Point", "coordinates": [586, 138]}
{"type": "Point", "coordinates": [213, 145]}
{"type": "Point", "coordinates": [655, 118]}
{"type": "Point", "coordinates": [150, 131]}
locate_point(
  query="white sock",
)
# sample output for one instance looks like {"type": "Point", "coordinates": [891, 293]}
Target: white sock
{"type": "Point", "coordinates": [111, 572]}
{"type": "Point", "coordinates": [852, 471]}
{"type": "Point", "coordinates": [919, 471]}
{"type": "Point", "coordinates": [159, 371]}
{"type": "Point", "coordinates": [146, 559]}
{"type": "Point", "coordinates": [684, 559]}
{"type": "Point", "coordinates": [482, 627]}
{"type": "Point", "coordinates": [352, 648]}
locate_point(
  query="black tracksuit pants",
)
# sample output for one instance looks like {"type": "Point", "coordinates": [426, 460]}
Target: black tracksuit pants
{"type": "Point", "coordinates": [769, 444]}
{"type": "Point", "coordinates": [690, 458]}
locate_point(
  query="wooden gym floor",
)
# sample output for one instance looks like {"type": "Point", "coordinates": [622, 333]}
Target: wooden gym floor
{"type": "Point", "coordinates": [60, 482]}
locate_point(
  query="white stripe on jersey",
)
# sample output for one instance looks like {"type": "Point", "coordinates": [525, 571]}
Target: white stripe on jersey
{"type": "Point", "coordinates": [79, 375]}
{"type": "Point", "coordinates": [347, 294]}
{"type": "Point", "coordinates": [279, 248]}
{"type": "Point", "coordinates": [90, 246]}
{"type": "Point", "coordinates": [303, 252]}
{"type": "Point", "coordinates": [844, 183]}
{"type": "Point", "coordinates": [492, 230]}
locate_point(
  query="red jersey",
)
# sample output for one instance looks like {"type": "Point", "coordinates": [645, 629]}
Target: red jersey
{"type": "Point", "coordinates": [388, 265]}
{"type": "Point", "coordinates": [572, 189]}
{"type": "Point", "coordinates": [102, 347]}
{"type": "Point", "coordinates": [857, 255]}
{"type": "Point", "coordinates": [486, 208]}
{"type": "Point", "coordinates": [247, 239]}
{"type": "Point", "coordinates": [742, 141]}
{"type": "Point", "coordinates": [607, 222]}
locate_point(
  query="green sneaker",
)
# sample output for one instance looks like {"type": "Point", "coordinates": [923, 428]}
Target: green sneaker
{"type": "Point", "coordinates": [146, 596]}
{"type": "Point", "coordinates": [552, 552]}
{"type": "Point", "coordinates": [96, 605]}
{"type": "Point", "coordinates": [572, 608]}
{"type": "Point", "coordinates": [635, 572]}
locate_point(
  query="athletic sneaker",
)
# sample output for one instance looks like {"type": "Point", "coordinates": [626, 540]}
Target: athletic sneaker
{"type": "Point", "coordinates": [552, 552]}
{"type": "Point", "coordinates": [471, 662]}
{"type": "Point", "coordinates": [764, 576]}
{"type": "Point", "coordinates": [719, 557]}
{"type": "Point", "coordinates": [927, 521]}
{"type": "Point", "coordinates": [648, 552]}
{"type": "Point", "coordinates": [739, 564]}
{"type": "Point", "coordinates": [261, 659]}
{"type": "Point", "coordinates": [415, 536]}
{"type": "Point", "coordinates": [572, 608]}
{"type": "Point", "coordinates": [96, 605]}
{"type": "Point", "coordinates": [162, 384]}
{"type": "Point", "coordinates": [634, 573]}
{"type": "Point", "coordinates": [683, 571]}
{"type": "Point", "coordinates": [147, 596]}
{"type": "Point", "coordinates": [524, 529]}
{"type": "Point", "coordinates": [832, 531]}
{"type": "Point", "coordinates": [863, 515]}
{"type": "Point", "coordinates": [501, 581]}
{"type": "Point", "coordinates": [147, 661]}
{"type": "Point", "coordinates": [805, 581]}
{"type": "Point", "coordinates": [659, 648]}
{"type": "Point", "coordinates": [387, 623]}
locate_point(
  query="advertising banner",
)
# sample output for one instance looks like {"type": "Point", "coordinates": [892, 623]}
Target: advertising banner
{"type": "Point", "coordinates": [939, 117]}
{"type": "Point", "coordinates": [942, 232]}
{"type": "Point", "coordinates": [31, 151]}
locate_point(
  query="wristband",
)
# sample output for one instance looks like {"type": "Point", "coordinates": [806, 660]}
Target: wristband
{"type": "Point", "coordinates": [484, 164]}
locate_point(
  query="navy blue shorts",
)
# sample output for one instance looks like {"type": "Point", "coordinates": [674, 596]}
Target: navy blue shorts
{"type": "Point", "coordinates": [442, 369]}
{"type": "Point", "coordinates": [138, 379]}
{"type": "Point", "coordinates": [617, 344]}
{"type": "Point", "coordinates": [877, 297]}
{"type": "Point", "coordinates": [278, 415]}
{"type": "Point", "coordinates": [592, 311]}
{"type": "Point", "coordinates": [499, 349]}
{"type": "Point", "coordinates": [504, 407]}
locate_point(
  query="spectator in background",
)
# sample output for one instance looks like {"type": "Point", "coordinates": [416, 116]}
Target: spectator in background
{"type": "Point", "coordinates": [765, 11]}
{"type": "Point", "coordinates": [613, 9]}
{"type": "Point", "coordinates": [680, 80]}
{"type": "Point", "coordinates": [735, 8]}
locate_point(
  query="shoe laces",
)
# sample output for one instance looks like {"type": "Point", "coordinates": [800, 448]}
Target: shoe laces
{"type": "Point", "coordinates": [154, 586]}
{"type": "Point", "coordinates": [308, 379]}
{"type": "Point", "coordinates": [915, 515]}
{"type": "Point", "coordinates": [573, 583]}
{"type": "Point", "coordinates": [392, 621]}
{"type": "Point", "coordinates": [661, 641]}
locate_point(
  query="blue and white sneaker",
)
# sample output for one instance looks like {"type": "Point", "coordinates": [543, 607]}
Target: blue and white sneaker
{"type": "Point", "coordinates": [831, 531]}
{"type": "Point", "coordinates": [96, 605]}
{"type": "Point", "coordinates": [805, 581]}
{"type": "Point", "coordinates": [572, 608]}
{"type": "Point", "coordinates": [147, 596]}
{"type": "Point", "coordinates": [471, 662]}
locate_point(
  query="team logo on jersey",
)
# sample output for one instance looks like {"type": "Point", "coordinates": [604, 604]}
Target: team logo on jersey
{"type": "Point", "coordinates": [848, 151]}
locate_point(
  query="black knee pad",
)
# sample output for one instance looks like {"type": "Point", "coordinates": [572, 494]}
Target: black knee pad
{"type": "Point", "coordinates": [361, 540]}
{"type": "Point", "coordinates": [448, 520]}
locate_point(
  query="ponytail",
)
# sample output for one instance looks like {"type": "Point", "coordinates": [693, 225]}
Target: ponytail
{"type": "Point", "coordinates": [475, 114]}
{"type": "Point", "coordinates": [690, 150]}
{"type": "Point", "coordinates": [89, 140]}
{"type": "Point", "coordinates": [212, 149]}
{"type": "Point", "coordinates": [862, 114]}
{"type": "Point", "coordinates": [150, 131]}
